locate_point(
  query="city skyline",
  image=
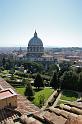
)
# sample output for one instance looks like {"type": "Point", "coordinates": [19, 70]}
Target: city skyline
{"type": "Point", "coordinates": [58, 22]}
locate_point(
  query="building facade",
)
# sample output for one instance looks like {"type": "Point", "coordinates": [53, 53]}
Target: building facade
{"type": "Point", "coordinates": [8, 98]}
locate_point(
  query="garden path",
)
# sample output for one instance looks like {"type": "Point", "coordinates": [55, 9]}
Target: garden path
{"type": "Point", "coordinates": [57, 99]}
{"type": "Point", "coordinates": [49, 99]}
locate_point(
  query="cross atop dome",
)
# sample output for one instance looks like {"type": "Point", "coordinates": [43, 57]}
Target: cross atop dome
{"type": "Point", "coordinates": [35, 34]}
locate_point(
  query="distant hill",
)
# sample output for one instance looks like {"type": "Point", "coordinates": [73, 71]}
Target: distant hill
{"type": "Point", "coordinates": [10, 49]}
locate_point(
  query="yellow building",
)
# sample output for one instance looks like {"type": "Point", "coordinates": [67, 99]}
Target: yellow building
{"type": "Point", "coordinates": [8, 98]}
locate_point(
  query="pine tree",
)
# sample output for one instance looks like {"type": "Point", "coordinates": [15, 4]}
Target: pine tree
{"type": "Point", "coordinates": [38, 82]}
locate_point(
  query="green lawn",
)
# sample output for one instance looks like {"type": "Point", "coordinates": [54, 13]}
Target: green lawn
{"type": "Point", "coordinates": [46, 92]}
{"type": "Point", "coordinates": [69, 96]}
{"type": "Point", "coordinates": [20, 90]}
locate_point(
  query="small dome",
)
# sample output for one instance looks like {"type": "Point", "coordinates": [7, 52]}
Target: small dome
{"type": "Point", "coordinates": [35, 41]}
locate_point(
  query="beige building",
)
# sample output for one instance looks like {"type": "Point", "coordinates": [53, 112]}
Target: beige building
{"type": "Point", "coordinates": [8, 98]}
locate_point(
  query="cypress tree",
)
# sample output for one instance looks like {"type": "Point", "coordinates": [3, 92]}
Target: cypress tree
{"type": "Point", "coordinates": [29, 91]}
{"type": "Point", "coordinates": [54, 81]}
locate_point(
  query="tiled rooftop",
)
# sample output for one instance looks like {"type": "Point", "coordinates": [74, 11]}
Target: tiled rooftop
{"type": "Point", "coordinates": [53, 115]}
{"type": "Point", "coordinates": [7, 93]}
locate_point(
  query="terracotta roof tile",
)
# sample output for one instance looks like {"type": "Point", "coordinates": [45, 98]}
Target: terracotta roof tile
{"type": "Point", "coordinates": [54, 119]}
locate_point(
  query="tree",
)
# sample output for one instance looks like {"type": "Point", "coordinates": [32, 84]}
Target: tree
{"type": "Point", "coordinates": [64, 66]}
{"type": "Point", "coordinates": [37, 67]}
{"type": "Point", "coordinates": [29, 91]}
{"type": "Point", "coordinates": [75, 68]}
{"type": "Point", "coordinates": [80, 81]}
{"type": "Point", "coordinates": [38, 82]}
{"type": "Point", "coordinates": [33, 67]}
{"type": "Point", "coordinates": [69, 80]}
{"type": "Point", "coordinates": [54, 81]}
{"type": "Point", "coordinates": [41, 99]}
{"type": "Point", "coordinates": [12, 71]}
{"type": "Point", "coordinates": [53, 67]}
{"type": "Point", "coordinates": [78, 69]}
{"type": "Point", "coordinates": [3, 61]}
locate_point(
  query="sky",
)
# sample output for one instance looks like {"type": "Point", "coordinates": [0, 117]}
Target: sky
{"type": "Point", "coordinates": [58, 23]}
